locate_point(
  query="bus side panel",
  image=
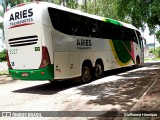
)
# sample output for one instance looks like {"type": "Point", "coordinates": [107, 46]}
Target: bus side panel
{"type": "Point", "coordinates": [108, 66]}
{"type": "Point", "coordinates": [61, 65]}
{"type": "Point", "coordinates": [74, 64]}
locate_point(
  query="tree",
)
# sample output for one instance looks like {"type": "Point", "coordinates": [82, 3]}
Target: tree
{"type": "Point", "coordinates": [72, 4]}
{"type": "Point", "coordinates": [106, 8]}
{"type": "Point", "coordinates": [3, 55]}
{"type": "Point", "coordinates": [158, 36]}
{"type": "Point", "coordinates": [140, 12]}
{"type": "Point", "coordinates": [16, 2]}
{"type": "Point", "coordinates": [1, 23]}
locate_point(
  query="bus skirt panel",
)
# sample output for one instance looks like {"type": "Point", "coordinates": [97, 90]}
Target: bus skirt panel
{"type": "Point", "coordinates": [46, 73]}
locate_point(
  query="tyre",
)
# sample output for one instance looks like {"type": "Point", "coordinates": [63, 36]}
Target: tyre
{"type": "Point", "coordinates": [86, 74]}
{"type": "Point", "coordinates": [99, 70]}
{"type": "Point", "coordinates": [137, 62]}
{"type": "Point", "coordinates": [52, 81]}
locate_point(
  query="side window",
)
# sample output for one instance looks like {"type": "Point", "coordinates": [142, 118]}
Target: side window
{"type": "Point", "coordinates": [116, 32]}
{"type": "Point", "coordinates": [125, 34]}
{"type": "Point", "coordinates": [128, 35]}
{"type": "Point", "coordinates": [54, 16]}
{"type": "Point", "coordinates": [139, 39]}
{"type": "Point", "coordinates": [66, 22]}
{"type": "Point", "coordinates": [106, 30]}
{"type": "Point", "coordinates": [74, 24]}
{"type": "Point", "coordinates": [133, 36]}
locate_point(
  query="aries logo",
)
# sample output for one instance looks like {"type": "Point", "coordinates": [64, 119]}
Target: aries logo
{"type": "Point", "coordinates": [21, 15]}
{"type": "Point", "coordinates": [84, 44]}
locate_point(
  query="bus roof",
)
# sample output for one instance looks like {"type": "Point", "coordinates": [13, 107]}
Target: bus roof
{"type": "Point", "coordinates": [112, 21]}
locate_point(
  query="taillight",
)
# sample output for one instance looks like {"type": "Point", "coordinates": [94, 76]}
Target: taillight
{"type": "Point", "coordinates": [8, 61]}
{"type": "Point", "coordinates": [45, 57]}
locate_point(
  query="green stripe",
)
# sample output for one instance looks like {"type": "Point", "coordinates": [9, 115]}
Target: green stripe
{"type": "Point", "coordinates": [34, 74]}
{"type": "Point", "coordinates": [113, 21]}
{"type": "Point", "coordinates": [122, 53]}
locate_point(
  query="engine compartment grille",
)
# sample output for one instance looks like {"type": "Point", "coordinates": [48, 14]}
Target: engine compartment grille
{"type": "Point", "coordinates": [23, 41]}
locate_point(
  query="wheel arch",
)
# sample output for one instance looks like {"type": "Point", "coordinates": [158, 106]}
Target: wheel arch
{"type": "Point", "coordinates": [86, 62]}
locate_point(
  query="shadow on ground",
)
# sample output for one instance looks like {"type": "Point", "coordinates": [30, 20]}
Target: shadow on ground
{"type": "Point", "coordinates": [124, 92]}
{"type": "Point", "coordinates": [48, 88]}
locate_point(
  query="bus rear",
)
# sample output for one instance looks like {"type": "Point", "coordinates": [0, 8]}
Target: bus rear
{"type": "Point", "coordinates": [27, 56]}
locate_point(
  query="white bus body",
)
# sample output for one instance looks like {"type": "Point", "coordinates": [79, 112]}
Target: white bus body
{"type": "Point", "coordinates": [46, 42]}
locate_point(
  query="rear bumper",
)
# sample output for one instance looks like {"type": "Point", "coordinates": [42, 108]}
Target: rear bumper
{"type": "Point", "coordinates": [46, 73]}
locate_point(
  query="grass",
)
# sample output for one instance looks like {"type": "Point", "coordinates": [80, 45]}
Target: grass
{"type": "Point", "coordinates": [151, 59]}
{"type": "Point", "coordinates": [3, 61]}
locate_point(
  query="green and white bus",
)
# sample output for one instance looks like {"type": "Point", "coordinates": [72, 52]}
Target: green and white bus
{"type": "Point", "coordinates": [49, 42]}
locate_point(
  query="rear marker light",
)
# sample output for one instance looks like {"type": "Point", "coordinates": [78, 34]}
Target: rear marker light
{"type": "Point", "coordinates": [42, 73]}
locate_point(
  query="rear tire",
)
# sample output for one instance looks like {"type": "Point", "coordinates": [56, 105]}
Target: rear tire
{"type": "Point", "coordinates": [86, 74]}
{"type": "Point", "coordinates": [99, 70]}
{"type": "Point", "coordinates": [137, 62]}
{"type": "Point", "coordinates": [52, 81]}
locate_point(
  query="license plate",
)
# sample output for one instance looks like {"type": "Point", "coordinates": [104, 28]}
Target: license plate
{"type": "Point", "coordinates": [24, 74]}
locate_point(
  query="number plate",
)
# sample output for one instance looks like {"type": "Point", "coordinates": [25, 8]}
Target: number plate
{"type": "Point", "coordinates": [24, 74]}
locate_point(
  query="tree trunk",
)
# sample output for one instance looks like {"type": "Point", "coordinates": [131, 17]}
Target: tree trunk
{"type": "Point", "coordinates": [5, 5]}
{"type": "Point", "coordinates": [63, 2]}
{"type": "Point", "coordinates": [85, 2]}
{"type": "Point", "coordinates": [95, 12]}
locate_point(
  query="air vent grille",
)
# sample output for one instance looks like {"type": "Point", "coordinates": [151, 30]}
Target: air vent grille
{"type": "Point", "coordinates": [23, 41]}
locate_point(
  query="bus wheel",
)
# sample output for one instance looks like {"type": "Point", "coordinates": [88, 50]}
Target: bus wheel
{"type": "Point", "coordinates": [137, 62]}
{"type": "Point", "coordinates": [52, 82]}
{"type": "Point", "coordinates": [99, 70]}
{"type": "Point", "coordinates": [86, 74]}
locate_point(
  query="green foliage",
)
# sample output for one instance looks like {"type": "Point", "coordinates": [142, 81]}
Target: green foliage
{"type": "Point", "coordinates": [3, 55]}
{"type": "Point", "coordinates": [16, 2]}
{"type": "Point", "coordinates": [156, 52]}
{"type": "Point", "coordinates": [106, 8]}
{"type": "Point", "coordinates": [1, 27]}
{"type": "Point", "coordinates": [158, 36]}
{"type": "Point", "coordinates": [58, 2]}
{"type": "Point", "coordinates": [72, 4]}
{"type": "Point", "coordinates": [140, 12]}
{"type": "Point", "coordinates": [151, 50]}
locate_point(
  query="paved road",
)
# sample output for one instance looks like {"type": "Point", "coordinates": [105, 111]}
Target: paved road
{"type": "Point", "coordinates": [118, 90]}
